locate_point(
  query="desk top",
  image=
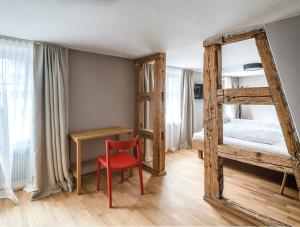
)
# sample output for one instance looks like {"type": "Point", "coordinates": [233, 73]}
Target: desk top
{"type": "Point", "coordinates": [98, 133]}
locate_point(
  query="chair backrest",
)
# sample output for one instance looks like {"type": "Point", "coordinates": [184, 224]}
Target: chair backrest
{"type": "Point", "coordinates": [122, 145]}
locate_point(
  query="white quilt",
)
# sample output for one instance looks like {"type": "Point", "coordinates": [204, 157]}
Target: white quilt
{"type": "Point", "coordinates": [252, 134]}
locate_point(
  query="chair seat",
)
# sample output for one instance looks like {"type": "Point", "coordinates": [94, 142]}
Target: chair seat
{"type": "Point", "coordinates": [120, 160]}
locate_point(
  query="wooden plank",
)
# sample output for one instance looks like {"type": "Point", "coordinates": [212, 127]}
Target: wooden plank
{"type": "Point", "coordinates": [246, 96]}
{"type": "Point", "coordinates": [280, 103]}
{"type": "Point", "coordinates": [146, 133]}
{"type": "Point", "coordinates": [145, 97]}
{"type": "Point", "coordinates": [150, 58]}
{"type": "Point", "coordinates": [280, 163]}
{"type": "Point", "coordinates": [245, 213]}
{"type": "Point", "coordinates": [265, 165]}
{"type": "Point", "coordinates": [255, 155]}
{"type": "Point", "coordinates": [98, 133]}
{"type": "Point", "coordinates": [213, 165]}
{"type": "Point", "coordinates": [233, 37]}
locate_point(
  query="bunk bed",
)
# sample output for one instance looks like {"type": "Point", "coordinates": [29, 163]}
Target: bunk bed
{"type": "Point", "coordinates": [252, 142]}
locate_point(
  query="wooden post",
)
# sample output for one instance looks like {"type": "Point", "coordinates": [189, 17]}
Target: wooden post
{"type": "Point", "coordinates": [280, 103]}
{"type": "Point", "coordinates": [213, 125]}
{"type": "Point", "coordinates": [139, 113]}
{"type": "Point", "coordinates": [159, 120]}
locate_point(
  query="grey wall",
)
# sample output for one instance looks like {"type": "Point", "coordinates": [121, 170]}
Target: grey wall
{"type": "Point", "coordinates": [284, 39]}
{"type": "Point", "coordinates": [198, 104]}
{"type": "Point", "coordinates": [101, 94]}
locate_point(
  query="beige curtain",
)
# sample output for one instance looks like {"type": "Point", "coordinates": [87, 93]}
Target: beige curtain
{"type": "Point", "coordinates": [187, 110]}
{"type": "Point", "coordinates": [148, 70]}
{"type": "Point", "coordinates": [51, 156]}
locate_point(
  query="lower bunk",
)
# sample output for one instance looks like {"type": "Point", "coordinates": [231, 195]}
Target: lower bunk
{"type": "Point", "coordinates": [263, 158]}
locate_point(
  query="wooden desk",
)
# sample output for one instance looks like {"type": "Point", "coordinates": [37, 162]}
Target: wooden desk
{"type": "Point", "coordinates": [78, 137]}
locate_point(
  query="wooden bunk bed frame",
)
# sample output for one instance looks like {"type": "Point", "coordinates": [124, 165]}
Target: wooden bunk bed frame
{"type": "Point", "coordinates": [213, 147]}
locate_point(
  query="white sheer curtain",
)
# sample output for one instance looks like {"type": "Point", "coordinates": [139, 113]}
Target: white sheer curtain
{"type": "Point", "coordinates": [173, 107]}
{"type": "Point", "coordinates": [16, 95]}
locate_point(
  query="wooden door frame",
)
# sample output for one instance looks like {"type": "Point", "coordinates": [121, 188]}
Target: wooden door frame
{"type": "Point", "coordinates": [157, 97]}
{"type": "Point", "coordinates": [213, 125]}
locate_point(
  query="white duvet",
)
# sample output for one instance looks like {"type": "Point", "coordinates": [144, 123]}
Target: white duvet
{"type": "Point", "coordinates": [254, 131]}
{"type": "Point", "coordinates": [252, 134]}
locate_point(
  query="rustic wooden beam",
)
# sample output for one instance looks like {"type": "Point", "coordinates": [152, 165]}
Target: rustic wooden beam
{"type": "Point", "coordinates": [146, 96]}
{"type": "Point", "coordinates": [267, 160]}
{"type": "Point", "coordinates": [280, 103]}
{"type": "Point", "coordinates": [233, 37]}
{"type": "Point", "coordinates": [246, 96]}
{"type": "Point", "coordinates": [159, 119]}
{"type": "Point", "coordinates": [213, 125]}
{"type": "Point", "coordinates": [245, 213]}
{"type": "Point", "coordinates": [150, 58]}
{"type": "Point", "coordinates": [146, 133]}
{"type": "Point", "coordinates": [139, 106]}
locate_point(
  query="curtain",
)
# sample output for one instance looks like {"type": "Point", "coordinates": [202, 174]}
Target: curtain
{"type": "Point", "coordinates": [187, 110]}
{"type": "Point", "coordinates": [148, 70]}
{"type": "Point", "coordinates": [173, 108]}
{"type": "Point", "coordinates": [51, 156]}
{"type": "Point", "coordinates": [16, 98]}
{"type": "Point", "coordinates": [237, 108]}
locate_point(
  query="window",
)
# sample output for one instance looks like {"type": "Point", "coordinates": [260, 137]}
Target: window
{"type": "Point", "coordinates": [16, 114]}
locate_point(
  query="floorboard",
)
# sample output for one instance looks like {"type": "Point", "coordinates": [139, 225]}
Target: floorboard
{"type": "Point", "coordinates": [174, 199]}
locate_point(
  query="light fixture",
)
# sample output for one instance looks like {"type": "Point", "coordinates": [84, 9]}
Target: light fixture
{"type": "Point", "coordinates": [252, 67]}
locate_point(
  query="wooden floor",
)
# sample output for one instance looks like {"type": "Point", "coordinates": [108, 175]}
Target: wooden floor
{"type": "Point", "coordinates": [175, 199]}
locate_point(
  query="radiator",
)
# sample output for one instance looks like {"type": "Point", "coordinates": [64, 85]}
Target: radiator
{"type": "Point", "coordinates": [22, 168]}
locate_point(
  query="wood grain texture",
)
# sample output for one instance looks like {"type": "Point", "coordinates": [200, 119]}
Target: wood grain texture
{"type": "Point", "coordinates": [164, 203]}
{"type": "Point", "coordinates": [262, 194]}
{"type": "Point", "coordinates": [149, 58]}
{"type": "Point", "coordinates": [270, 160]}
{"type": "Point", "coordinates": [245, 96]}
{"type": "Point", "coordinates": [212, 122]}
{"type": "Point", "coordinates": [280, 103]}
{"type": "Point", "coordinates": [276, 162]}
{"type": "Point", "coordinates": [157, 100]}
{"type": "Point", "coordinates": [146, 133]}
{"type": "Point", "coordinates": [245, 213]}
{"type": "Point", "coordinates": [98, 133]}
{"type": "Point", "coordinates": [233, 37]}
{"type": "Point", "coordinates": [159, 118]}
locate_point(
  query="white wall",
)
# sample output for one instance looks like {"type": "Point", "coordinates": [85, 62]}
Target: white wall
{"type": "Point", "coordinates": [266, 113]}
{"type": "Point", "coordinates": [284, 39]}
{"type": "Point", "coordinates": [198, 104]}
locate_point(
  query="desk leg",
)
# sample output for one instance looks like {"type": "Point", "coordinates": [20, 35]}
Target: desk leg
{"type": "Point", "coordinates": [78, 166]}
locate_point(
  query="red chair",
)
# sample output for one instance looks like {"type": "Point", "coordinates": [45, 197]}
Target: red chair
{"type": "Point", "coordinates": [119, 161]}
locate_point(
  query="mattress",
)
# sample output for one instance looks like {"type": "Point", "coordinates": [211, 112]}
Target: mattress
{"type": "Point", "coordinates": [277, 147]}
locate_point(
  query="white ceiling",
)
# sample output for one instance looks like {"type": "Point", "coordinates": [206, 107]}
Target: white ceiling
{"type": "Point", "coordinates": [134, 28]}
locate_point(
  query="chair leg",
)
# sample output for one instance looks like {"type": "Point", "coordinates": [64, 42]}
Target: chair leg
{"type": "Point", "coordinates": [141, 178]}
{"type": "Point", "coordinates": [98, 176]}
{"type": "Point", "coordinates": [283, 183]}
{"type": "Point", "coordinates": [109, 187]}
{"type": "Point", "coordinates": [122, 176]}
